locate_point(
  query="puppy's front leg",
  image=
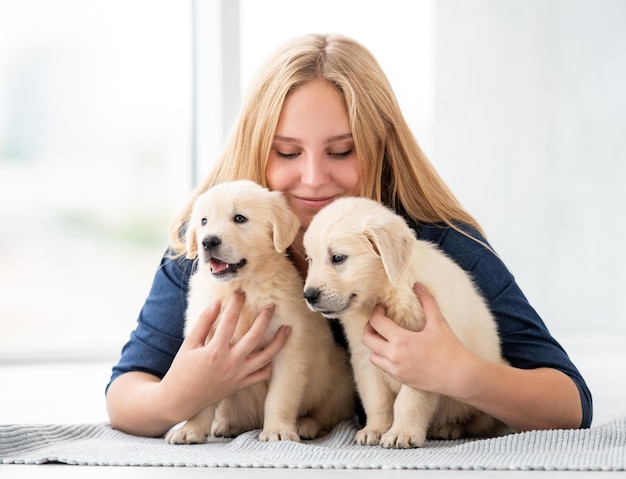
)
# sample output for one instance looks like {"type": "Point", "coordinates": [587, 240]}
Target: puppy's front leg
{"type": "Point", "coordinates": [377, 399]}
{"type": "Point", "coordinates": [195, 430]}
{"type": "Point", "coordinates": [413, 412]}
{"type": "Point", "coordinates": [284, 396]}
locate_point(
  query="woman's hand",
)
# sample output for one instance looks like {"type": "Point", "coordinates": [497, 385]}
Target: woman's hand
{"type": "Point", "coordinates": [142, 404]}
{"type": "Point", "coordinates": [204, 373]}
{"type": "Point", "coordinates": [426, 360]}
{"type": "Point", "coordinates": [435, 360]}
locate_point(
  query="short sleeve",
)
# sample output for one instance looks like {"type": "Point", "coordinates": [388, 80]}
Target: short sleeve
{"type": "Point", "coordinates": [159, 332]}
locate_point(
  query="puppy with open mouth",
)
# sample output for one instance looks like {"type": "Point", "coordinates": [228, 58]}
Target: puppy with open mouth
{"type": "Point", "coordinates": [362, 254]}
{"type": "Point", "coordinates": [239, 232]}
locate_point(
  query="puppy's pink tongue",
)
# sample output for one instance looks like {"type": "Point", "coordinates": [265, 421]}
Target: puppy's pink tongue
{"type": "Point", "coordinates": [217, 266]}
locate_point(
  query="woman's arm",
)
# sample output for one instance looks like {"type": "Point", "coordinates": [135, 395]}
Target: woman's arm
{"type": "Point", "coordinates": [435, 360]}
{"type": "Point", "coordinates": [142, 404]}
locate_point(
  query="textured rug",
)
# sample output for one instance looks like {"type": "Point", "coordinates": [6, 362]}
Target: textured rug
{"type": "Point", "coordinates": [601, 448]}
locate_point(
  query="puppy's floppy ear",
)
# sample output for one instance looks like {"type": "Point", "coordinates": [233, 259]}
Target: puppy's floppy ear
{"type": "Point", "coordinates": [190, 237]}
{"type": "Point", "coordinates": [393, 240]}
{"type": "Point", "coordinates": [285, 224]}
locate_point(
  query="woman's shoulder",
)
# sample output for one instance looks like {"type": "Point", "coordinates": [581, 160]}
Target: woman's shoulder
{"type": "Point", "coordinates": [471, 251]}
{"type": "Point", "coordinates": [461, 235]}
{"type": "Point", "coordinates": [463, 243]}
{"type": "Point", "coordinates": [177, 268]}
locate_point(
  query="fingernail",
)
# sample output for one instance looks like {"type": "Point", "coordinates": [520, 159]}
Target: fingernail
{"type": "Point", "coordinates": [286, 330]}
{"type": "Point", "coordinates": [271, 307]}
{"type": "Point", "coordinates": [419, 287]}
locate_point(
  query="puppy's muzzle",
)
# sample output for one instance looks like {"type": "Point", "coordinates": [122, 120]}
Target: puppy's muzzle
{"type": "Point", "coordinates": [211, 243]}
{"type": "Point", "coordinates": [312, 295]}
{"type": "Point", "coordinates": [330, 304]}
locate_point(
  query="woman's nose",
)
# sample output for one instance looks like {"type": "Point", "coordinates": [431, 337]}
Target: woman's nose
{"type": "Point", "coordinates": [315, 171]}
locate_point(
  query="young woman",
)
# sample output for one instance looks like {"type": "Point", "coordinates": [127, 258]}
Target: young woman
{"type": "Point", "coordinates": [320, 122]}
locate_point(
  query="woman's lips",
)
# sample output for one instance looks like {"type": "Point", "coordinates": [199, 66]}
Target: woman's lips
{"type": "Point", "coordinates": [315, 203]}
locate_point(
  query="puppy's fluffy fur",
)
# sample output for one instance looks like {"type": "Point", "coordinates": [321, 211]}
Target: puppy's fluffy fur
{"type": "Point", "coordinates": [240, 231]}
{"type": "Point", "coordinates": [362, 254]}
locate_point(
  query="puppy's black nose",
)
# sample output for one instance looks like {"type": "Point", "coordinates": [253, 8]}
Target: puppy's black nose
{"type": "Point", "coordinates": [211, 242]}
{"type": "Point", "coordinates": [312, 295]}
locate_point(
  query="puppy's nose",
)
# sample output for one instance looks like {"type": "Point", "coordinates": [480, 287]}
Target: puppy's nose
{"type": "Point", "coordinates": [312, 295]}
{"type": "Point", "coordinates": [211, 242]}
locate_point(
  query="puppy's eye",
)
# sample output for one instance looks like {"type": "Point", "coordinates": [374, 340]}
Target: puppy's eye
{"type": "Point", "coordinates": [203, 221]}
{"type": "Point", "coordinates": [338, 258]}
{"type": "Point", "coordinates": [240, 219]}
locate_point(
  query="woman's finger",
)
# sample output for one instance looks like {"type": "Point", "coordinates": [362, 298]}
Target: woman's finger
{"type": "Point", "coordinates": [428, 302]}
{"type": "Point", "coordinates": [380, 324]}
{"type": "Point", "coordinates": [230, 317]}
{"type": "Point", "coordinates": [253, 338]}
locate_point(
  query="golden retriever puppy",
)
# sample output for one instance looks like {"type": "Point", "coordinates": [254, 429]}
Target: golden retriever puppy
{"type": "Point", "coordinates": [362, 254]}
{"type": "Point", "coordinates": [239, 231]}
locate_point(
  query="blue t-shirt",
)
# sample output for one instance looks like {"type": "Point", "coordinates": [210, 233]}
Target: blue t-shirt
{"type": "Point", "coordinates": [526, 341]}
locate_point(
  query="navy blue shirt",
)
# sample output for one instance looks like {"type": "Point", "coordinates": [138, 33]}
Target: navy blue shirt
{"type": "Point", "coordinates": [526, 341]}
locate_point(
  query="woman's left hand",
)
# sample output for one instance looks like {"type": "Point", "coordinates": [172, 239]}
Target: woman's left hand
{"type": "Point", "coordinates": [428, 360]}
{"type": "Point", "coordinates": [435, 360]}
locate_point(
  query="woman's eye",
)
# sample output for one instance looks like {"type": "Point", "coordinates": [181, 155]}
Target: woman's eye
{"type": "Point", "coordinates": [287, 156]}
{"type": "Point", "coordinates": [240, 219]}
{"type": "Point", "coordinates": [341, 154]}
{"type": "Point", "coordinates": [338, 258]}
{"type": "Point", "coordinates": [203, 221]}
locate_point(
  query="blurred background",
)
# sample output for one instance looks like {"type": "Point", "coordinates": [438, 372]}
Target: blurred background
{"type": "Point", "coordinates": [111, 110]}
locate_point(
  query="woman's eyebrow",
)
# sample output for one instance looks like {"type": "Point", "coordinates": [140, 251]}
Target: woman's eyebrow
{"type": "Point", "coordinates": [332, 139]}
{"type": "Point", "coordinates": [286, 139]}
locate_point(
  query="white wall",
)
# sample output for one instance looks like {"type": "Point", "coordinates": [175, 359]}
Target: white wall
{"type": "Point", "coordinates": [530, 133]}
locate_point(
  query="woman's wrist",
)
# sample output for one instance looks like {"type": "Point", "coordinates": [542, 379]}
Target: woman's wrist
{"type": "Point", "coordinates": [465, 382]}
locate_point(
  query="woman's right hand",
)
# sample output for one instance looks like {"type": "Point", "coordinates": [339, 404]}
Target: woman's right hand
{"type": "Point", "coordinates": [201, 374]}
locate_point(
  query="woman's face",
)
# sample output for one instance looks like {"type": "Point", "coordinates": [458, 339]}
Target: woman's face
{"type": "Point", "coordinates": [313, 158]}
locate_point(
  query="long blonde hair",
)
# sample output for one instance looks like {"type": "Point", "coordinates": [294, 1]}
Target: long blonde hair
{"type": "Point", "coordinates": [394, 169]}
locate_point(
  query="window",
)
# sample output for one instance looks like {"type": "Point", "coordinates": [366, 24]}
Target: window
{"type": "Point", "coordinates": [94, 163]}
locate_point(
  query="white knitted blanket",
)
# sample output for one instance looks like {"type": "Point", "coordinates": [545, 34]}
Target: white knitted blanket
{"type": "Point", "coordinates": [601, 448]}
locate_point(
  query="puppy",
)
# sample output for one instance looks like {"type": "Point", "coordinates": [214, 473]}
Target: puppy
{"type": "Point", "coordinates": [362, 254]}
{"type": "Point", "coordinates": [240, 231]}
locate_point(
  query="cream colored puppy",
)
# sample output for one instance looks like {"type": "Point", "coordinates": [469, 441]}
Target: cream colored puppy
{"type": "Point", "coordinates": [362, 254]}
{"type": "Point", "coordinates": [240, 232]}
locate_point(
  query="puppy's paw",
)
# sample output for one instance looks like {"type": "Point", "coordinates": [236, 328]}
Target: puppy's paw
{"type": "Point", "coordinates": [268, 436]}
{"type": "Point", "coordinates": [448, 431]}
{"type": "Point", "coordinates": [368, 437]}
{"type": "Point", "coordinates": [402, 439]}
{"type": "Point", "coordinates": [225, 428]}
{"type": "Point", "coordinates": [186, 435]}
{"type": "Point", "coordinates": [308, 428]}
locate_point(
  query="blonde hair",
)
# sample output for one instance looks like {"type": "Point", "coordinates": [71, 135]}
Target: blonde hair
{"type": "Point", "coordinates": [394, 169]}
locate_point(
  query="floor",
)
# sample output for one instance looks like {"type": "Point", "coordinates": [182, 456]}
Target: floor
{"type": "Point", "coordinates": [73, 392]}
